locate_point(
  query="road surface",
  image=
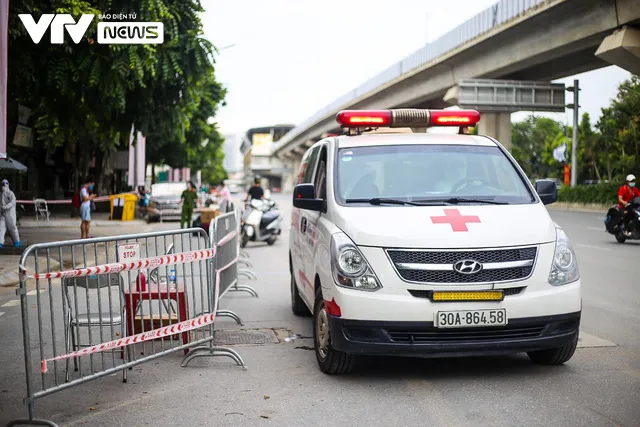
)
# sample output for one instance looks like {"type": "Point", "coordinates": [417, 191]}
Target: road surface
{"type": "Point", "coordinates": [282, 386]}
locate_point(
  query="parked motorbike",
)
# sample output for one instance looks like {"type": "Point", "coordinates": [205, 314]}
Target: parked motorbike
{"type": "Point", "coordinates": [614, 222]}
{"type": "Point", "coordinates": [260, 222]}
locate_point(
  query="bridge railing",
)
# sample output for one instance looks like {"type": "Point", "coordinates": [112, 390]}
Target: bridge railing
{"type": "Point", "coordinates": [492, 17]}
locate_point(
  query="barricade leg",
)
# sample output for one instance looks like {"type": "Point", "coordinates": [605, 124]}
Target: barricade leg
{"type": "Point", "coordinates": [245, 263]}
{"type": "Point", "coordinates": [231, 314]}
{"type": "Point", "coordinates": [244, 288]}
{"type": "Point", "coordinates": [212, 350]}
{"type": "Point", "coordinates": [33, 422]}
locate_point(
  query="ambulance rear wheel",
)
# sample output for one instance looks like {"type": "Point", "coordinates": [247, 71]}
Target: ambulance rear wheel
{"type": "Point", "coordinates": [330, 361]}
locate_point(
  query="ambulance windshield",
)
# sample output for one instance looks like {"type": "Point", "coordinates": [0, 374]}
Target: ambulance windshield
{"type": "Point", "coordinates": [429, 172]}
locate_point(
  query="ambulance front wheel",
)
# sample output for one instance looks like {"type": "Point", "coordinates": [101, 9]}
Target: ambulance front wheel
{"type": "Point", "coordinates": [330, 361]}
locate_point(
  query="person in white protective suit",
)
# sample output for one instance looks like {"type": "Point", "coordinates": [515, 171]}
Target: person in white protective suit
{"type": "Point", "coordinates": [8, 214]}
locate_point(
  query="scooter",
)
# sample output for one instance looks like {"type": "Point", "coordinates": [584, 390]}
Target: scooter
{"type": "Point", "coordinates": [614, 222]}
{"type": "Point", "coordinates": [260, 222]}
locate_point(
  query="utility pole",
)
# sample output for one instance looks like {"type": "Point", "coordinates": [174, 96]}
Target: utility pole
{"type": "Point", "coordinates": [574, 144]}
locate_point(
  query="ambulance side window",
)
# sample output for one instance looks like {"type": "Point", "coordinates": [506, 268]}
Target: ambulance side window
{"type": "Point", "coordinates": [321, 175]}
{"type": "Point", "coordinates": [303, 167]}
{"type": "Point", "coordinates": [311, 166]}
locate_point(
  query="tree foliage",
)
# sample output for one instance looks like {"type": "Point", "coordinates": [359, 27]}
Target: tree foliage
{"type": "Point", "coordinates": [94, 93]}
{"type": "Point", "coordinates": [608, 151]}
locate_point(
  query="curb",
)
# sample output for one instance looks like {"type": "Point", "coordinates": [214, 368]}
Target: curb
{"type": "Point", "coordinates": [9, 279]}
{"type": "Point", "coordinates": [580, 207]}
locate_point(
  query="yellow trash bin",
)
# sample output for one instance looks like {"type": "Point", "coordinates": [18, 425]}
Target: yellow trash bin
{"type": "Point", "coordinates": [123, 207]}
{"type": "Point", "coordinates": [129, 211]}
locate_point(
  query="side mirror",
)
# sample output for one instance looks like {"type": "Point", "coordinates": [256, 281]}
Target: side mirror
{"type": "Point", "coordinates": [304, 197]}
{"type": "Point", "coordinates": [547, 191]}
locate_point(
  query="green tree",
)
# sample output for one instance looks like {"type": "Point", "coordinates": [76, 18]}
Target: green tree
{"type": "Point", "coordinates": [532, 139]}
{"type": "Point", "coordinates": [619, 141]}
{"type": "Point", "coordinates": [89, 95]}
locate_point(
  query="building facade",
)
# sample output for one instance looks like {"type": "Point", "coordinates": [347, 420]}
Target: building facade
{"type": "Point", "coordinates": [256, 147]}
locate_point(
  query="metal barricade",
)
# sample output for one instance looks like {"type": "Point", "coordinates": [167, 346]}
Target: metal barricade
{"type": "Point", "coordinates": [114, 303]}
{"type": "Point", "coordinates": [243, 260]}
{"type": "Point", "coordinates": [225, 265]}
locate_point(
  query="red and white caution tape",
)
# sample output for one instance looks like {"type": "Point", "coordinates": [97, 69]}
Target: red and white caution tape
{"type": "Point", "coordinates": [186, 326]}
{"type": "Point", "coordinates": [66, 202]}
{"type": "Point", "coordinates": [117, 267]}
{"type": "Point", "coordinates": [178, 328]}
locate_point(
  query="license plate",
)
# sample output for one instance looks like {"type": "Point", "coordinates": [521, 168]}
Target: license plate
{"type": "Point", "coordinates": [471, 318]}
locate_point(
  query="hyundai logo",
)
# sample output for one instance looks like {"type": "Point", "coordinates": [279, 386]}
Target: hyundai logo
{"type": "Point", "coordinates": [467, 266]}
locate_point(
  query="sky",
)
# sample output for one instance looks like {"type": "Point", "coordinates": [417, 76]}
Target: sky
{"type": "Point", "coordinates": [283, 60]}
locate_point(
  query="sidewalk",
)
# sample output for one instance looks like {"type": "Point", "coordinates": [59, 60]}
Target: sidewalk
{"type": "Point", "coordinates": [64, 221]}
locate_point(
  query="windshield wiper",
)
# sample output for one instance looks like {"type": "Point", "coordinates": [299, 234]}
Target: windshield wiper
{"type": "Point", "coordinates": [458, 200]}
{"type": "Point", "coordinates": [377, 201]}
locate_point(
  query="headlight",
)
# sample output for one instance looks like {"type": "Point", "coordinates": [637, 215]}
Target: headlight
{"type": "Point", "coordinates": [564, 268]}
{"type": "Point", "coordinates": [350, 269]}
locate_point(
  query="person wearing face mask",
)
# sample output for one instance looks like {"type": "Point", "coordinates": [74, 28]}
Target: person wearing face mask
{"type": "Point", "coordinates": [85, 207]}
{"type": "Point", "coordinates": [626, 194]}
{"type": "Point", "coordinates": [8, 214]}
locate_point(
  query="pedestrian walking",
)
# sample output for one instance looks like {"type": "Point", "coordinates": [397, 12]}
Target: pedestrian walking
{"type": "Point", "coordinates": [8, 214]}
{"type": "Point", "coordinates": [86, 198]}
{"type": "Point", "coordinates": [189, 200]}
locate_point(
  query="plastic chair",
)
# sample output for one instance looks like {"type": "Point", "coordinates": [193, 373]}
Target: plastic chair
{"type": "Point", "coordinates": [99, 318]}
{"type": "Point", "coordinates": [41, 208]}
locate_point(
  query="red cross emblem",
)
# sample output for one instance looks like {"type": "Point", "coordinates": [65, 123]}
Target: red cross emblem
{"type": "Point", "coordinates": [458, 222]}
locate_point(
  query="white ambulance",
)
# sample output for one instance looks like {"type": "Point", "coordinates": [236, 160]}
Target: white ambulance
{"type": "Point", "coordinates": [412, 243]}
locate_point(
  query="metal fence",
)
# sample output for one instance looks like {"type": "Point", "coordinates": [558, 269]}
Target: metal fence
{"type": "Point", "coordinates": [224, 232]}
{"type": "Point", "coordinates": [104, 305]}
{"type": "Point", "coordinates": [487, 20]}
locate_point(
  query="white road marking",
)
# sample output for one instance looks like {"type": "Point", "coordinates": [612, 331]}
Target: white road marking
{"type": "Point", "coordinates": [11, 303]}
{"type": "Point", "coordinates": [1, 313]}
{"type": "Point", "coordinates": [35, 291]}
{"type": "Point", "coordinates": [599, 248]}
{"type": "Point", "coordinates": [600, 229]}
{"type": "Point", "coordinates": [586, 340]}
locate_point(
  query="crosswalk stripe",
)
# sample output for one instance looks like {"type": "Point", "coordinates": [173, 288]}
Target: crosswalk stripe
{"type": "Point", "coordinates": [586, 340]}
{"type": "Point", "coordinates": [34, 292]}
{"type": "Point", "coordinates": [11, 303]}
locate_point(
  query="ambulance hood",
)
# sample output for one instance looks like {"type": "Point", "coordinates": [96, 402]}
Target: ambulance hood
{"type": "Point", "coordinates": [443, 227]}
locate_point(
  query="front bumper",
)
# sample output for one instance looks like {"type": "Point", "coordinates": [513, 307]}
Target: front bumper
{"type": "Point", "coordinates": [422, 339]}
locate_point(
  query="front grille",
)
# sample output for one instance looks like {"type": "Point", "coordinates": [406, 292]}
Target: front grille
{"type": "Point", "coordinates": [458, 335]}
{"type": "Point", "coordinates": [438, 266]}
{"type": "Point", "coordinates": [429, 294]}
{"type": "Point", "coordinates": [438, 257]}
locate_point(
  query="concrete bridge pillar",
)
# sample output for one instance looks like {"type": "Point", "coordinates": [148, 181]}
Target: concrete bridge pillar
{"type": "Point", "coordinates": [622, 48]}
{"type": "Point", "coordinates": [498, 126]}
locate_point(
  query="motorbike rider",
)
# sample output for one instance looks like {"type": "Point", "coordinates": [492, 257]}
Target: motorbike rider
{"type": "Point", "coordinates": [255, 192]}
{"type": "Point", "coordinates": [626, 194]}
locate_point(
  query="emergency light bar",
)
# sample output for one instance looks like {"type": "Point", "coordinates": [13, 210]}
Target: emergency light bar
{"type": "Point", "coordinates": [402, 118]}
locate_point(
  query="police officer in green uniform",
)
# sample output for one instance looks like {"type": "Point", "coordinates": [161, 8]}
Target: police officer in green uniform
{"type": "Point", "coordinates": [189, 200]}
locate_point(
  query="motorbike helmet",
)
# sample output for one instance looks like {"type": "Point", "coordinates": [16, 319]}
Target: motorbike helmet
{"type": "Point", "coordinates": [630, 177]}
